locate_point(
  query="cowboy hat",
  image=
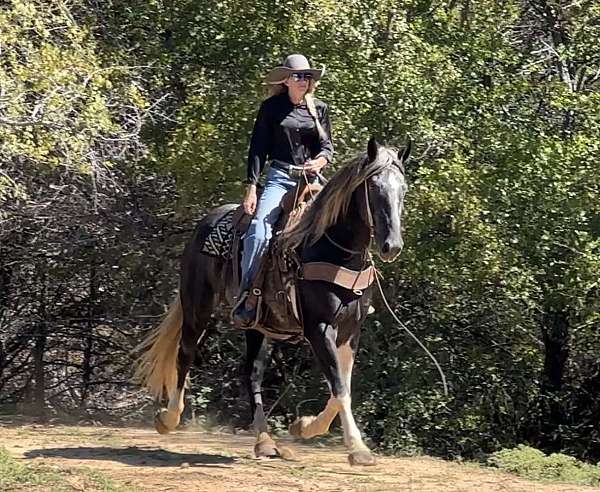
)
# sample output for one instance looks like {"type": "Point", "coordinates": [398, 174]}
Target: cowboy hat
{"type": "Point", "coordinates": [292, 64]}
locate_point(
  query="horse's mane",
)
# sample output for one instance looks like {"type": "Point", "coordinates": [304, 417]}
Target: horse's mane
{"type": "Point", "coordinates": [333, 200]}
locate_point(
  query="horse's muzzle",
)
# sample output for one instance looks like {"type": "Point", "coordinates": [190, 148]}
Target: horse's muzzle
{"type": "Point", "coordinates": [389, 250]}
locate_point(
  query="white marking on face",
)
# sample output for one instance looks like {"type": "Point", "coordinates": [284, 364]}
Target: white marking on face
{"type": "Point", "coordinates": [387, 194]}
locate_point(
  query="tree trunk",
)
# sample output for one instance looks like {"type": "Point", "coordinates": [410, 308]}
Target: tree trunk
{"type": "Point", "coordinates": [88, 341]}
{"type": "Point", "coordinates": [556, 339]}
{"type": "Point", "coordinates": [39, 394]}
{"type": "Point", "coordinates": [2, 363]}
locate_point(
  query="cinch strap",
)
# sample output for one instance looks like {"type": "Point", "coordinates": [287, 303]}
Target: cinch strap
{"type": "Point", "coordinates": [335, 274]}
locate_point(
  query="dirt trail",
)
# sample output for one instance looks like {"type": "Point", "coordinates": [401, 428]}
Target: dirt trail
{"type": "Point", "coordinates": [193, 461]}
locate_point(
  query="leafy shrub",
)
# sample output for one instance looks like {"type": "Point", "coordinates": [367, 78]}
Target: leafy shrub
{"type": "Point", "coordinates": [533, 463]}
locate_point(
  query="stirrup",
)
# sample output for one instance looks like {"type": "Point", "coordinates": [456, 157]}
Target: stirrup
{"type": "Point", "coordinates": [250, 316]}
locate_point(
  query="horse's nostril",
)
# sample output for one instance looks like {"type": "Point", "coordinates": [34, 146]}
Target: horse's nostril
{"type": "Point", "coordinates": [386, 247]}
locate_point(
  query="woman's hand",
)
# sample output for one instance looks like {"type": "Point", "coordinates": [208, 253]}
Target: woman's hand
{"type": "Point", "coordinates": [313, 166]}
{"type": "Point", "coordinates": [249, 202]}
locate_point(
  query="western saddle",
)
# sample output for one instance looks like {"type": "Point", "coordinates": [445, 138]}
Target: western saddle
{"type": "Point", "coordinates": [273, 290]}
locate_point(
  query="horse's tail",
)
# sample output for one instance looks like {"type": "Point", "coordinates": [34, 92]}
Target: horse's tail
{"type": "Point", "coordinates": [156, 367]}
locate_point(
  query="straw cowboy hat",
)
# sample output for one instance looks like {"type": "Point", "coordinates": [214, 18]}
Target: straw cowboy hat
{"type": "Point", "coordinates": [292, 64]}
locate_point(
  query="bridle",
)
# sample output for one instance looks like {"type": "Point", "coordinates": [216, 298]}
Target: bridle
{"type": "Point", "coordinates": [369, 212]}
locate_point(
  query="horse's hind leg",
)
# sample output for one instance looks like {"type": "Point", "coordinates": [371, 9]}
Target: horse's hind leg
{"type": "Point", "coordinates": [254, 369]}
{"type": "Point", "coordinates": [195, 317]}
{"type": "Point", "coordinates": [256, 349]}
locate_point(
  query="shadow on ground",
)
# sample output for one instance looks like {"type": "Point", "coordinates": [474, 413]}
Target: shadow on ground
{"type": "Point", "coordinates": [134, 456]}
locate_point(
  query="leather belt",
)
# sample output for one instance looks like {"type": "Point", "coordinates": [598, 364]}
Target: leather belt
{"type": "Point", "coordinates": [292, 170]}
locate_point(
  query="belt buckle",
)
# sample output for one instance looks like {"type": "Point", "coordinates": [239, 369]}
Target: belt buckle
{"type": "Point", "coordinates": [295, 172]}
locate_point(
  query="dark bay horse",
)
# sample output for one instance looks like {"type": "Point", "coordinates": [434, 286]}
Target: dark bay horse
{"type": "Point", "coordinates": [362, 201]}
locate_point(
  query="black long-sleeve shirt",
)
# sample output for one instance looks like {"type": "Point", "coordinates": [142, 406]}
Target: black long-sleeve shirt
{"type": "Point", "coordinates": [287, 133]}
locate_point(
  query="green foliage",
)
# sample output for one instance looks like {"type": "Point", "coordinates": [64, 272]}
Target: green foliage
{"type": "Point", "coordinates": [532, 463]}
{"type": "Point", "coordinates": [13, 474]}
{"type": "Point", "coordinates": [61, 103]}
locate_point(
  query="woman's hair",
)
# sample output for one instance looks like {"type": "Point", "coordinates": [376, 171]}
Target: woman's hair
{"type": "Point", "coordinates": [276, 89]}
{"type": "Point", "coordinates": [309, 98]}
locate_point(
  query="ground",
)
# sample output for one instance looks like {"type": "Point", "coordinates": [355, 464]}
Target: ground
{"type": "Point", "coordinates": [139, 459]}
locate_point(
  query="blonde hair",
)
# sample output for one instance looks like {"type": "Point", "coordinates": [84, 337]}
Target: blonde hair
{"type": "Point", "coordinates": [275, 89]}
{"type": "Point", "coordinates": [280, 88]}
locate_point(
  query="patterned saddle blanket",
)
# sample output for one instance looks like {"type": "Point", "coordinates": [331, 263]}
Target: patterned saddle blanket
{"type": "Point", "coordinates": [219, 240]}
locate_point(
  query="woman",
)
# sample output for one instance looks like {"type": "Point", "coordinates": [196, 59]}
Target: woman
{"type": "Point", "coordinates": [292, 131]}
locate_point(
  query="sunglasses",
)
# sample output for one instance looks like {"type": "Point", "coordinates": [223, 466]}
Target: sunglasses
{"type": "Point", "coordinates": [297, 77]}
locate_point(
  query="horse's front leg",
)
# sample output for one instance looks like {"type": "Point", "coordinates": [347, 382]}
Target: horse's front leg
{"type": "Point", "coordinates": [336, 363]}
{"type": "Point", "coordinates": [360, 453]}
{"type": "Point", "coordinates": [256, 350]}
{"type": "Point", "coordinates": [322, 340]}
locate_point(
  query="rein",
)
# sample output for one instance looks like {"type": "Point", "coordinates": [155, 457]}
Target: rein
{"type": "Point", "coordinates": [412, 335]}
{"type": "Point", "coordinates": [343, 248]}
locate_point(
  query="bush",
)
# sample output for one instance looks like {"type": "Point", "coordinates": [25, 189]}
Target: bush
{"type": "Point", "coordinates": [533, 463]}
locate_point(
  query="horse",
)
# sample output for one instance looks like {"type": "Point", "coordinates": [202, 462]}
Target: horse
{"type": "Point", "coordinates": [363, 202]}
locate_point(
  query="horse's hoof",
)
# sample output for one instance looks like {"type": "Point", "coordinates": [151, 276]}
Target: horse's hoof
{"type": "Point", "coordinates": [265, 447]}
{"type": "Point", "coordinates": [160, 425]}
{"type": "Point", "coordinates": [297, 427]}
{"type": "Point", "coordinates": [287, 454]}
{"type": "Point", "coordinates": [361, 458]}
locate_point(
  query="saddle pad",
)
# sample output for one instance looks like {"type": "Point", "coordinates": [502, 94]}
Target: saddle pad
{"type": "Point", "coordinates": [220, 238]}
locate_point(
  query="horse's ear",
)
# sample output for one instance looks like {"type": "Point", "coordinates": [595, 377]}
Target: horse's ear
{"type": "Point", "coordinates": [404, 154]}
{"type": "Point", "coordinates": [372, 149]}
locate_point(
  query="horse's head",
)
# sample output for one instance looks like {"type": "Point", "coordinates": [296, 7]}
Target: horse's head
{"type": "Point", "coordinates": [385, 190]}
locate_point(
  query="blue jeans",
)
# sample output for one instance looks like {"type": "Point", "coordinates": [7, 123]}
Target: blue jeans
{"type": "Point", "coordinates": [256, 240]}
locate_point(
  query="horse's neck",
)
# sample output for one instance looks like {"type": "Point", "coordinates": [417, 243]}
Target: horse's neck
{"type": "Point", "coordinates": [351, 232]}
